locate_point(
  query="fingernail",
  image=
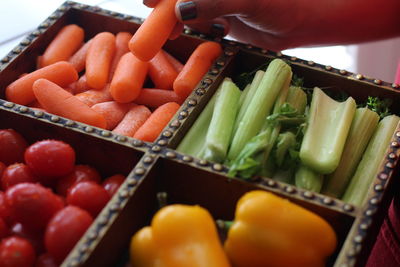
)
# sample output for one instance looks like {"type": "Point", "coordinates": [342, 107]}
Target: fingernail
{"type": "Point", "coordinates": [217, 29]}
{"type": "Point", "coordinates": [188, 10]}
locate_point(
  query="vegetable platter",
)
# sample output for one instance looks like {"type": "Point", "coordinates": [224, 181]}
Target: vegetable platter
{"type": "Point", "coordinates": [157, 174]}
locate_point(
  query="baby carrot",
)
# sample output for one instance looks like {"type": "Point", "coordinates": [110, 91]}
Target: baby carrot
{"type": "Point", "coordinates": [154, 98]}
{"type": "Point", "coordinates": [56, 100]}
{"type": "Point", "coordinates": [98, 59]}
{"type": "Point", "coordinates": [128, 78]}
{"type": "Point", "coordinates": [176, 63]}
{"type": "Point", "coordinates": [93, 96]}
{"type": "Point", "coordinates": [161, 71]}
{"type": "Point", "coordinates": [195, 68]}
{"type": "Point", "coordinates": [133, 120]}
{"type": "Point", "coordinates": [121, 48]}
{"type": "Point", "coordinates": [80, 85]}
{"type": "Point", "coordinates": [156, 122]}
{"type": "Point", "coordinates": [78, 60]}
{"type": "Point", "coordinates": [64, 45]}
{"type": "Point", "coordinates": [154, 31]}
{"type": "Point", "coordinates": [20, 91]}
{"type": "Point", "coordinates": [112, 111]}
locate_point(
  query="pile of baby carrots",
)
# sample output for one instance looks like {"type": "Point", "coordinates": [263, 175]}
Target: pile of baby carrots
{"type": "Point", "coordinates": [102, 82]}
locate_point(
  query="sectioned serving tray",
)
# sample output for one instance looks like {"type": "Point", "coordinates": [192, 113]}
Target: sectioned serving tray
{"type": "Point", "coordinates": [156, 167]}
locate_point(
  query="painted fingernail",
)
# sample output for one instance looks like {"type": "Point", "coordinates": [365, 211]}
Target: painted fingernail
{"type": "Point", "coordinates": [217, 29]}
{"type": "Point", "coordinates": [188, 10]}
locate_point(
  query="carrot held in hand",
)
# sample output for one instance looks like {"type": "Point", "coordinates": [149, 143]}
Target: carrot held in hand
{"type": "Point", "coordinates": [161, 71]}
{"type": "Point", "coordinates": [93, 96]}
{"type": "Point", "coordinates": [56, 100]}
{"type": "Point", "coordinates": [133, 120]}
{"type": "Point", "coordinates": [154, 31]}
{"type": "Point", "coordinates": [98, 59]}
{"type": "Point", "coordinates": [121, 48]}
{"type": "Point", "coordinates": [128, 78]}
{"type": "Point", "coordinates": [112, 111]}
{"type": "Point", "coordinates": [64, 45]}
{"type": "Point", "coordinates": [196, 67]}
{"type": "Point", "coordinates": [176, 63]}
{"type": "Point", "coordinates": [20, 91]}
{"type": "Point", "coordinates": [156, 97]}
{"type": "Point", "coordinates": [78, 60]}
{"type": "Point", "coordinates": [156, 122]}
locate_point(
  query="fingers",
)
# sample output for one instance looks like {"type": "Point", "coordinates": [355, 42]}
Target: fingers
{"type": "Point", "coordinates": [203, 10]}
{"type": "Point", "coordinates": [245, 34]}
{"type": "Point", "coordinates": [217, 27]}
{"type": "Point", "coordinates": [151, 3]}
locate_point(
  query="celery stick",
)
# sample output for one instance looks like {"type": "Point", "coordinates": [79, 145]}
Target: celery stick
{"type": "Point", "coordinates": [193, 142]}
{"type": "Point", "coordinates": [248, 96]}
{"type": "Point", "coordinates": [255, 158]}
{"type": "Point", "coordinates": [328, 125]}
{"type": "Point", "coordinates": [277, 76]}
{"type": "Point", "coordinates": [361, 130]}
{"type": "Point", "coordinates": [372, 159]}
{"type": "Point", "coordinates": [308, 179]}
{"type": "Point", "coordinates": [285, 141]}
{"type": "Point", "coordinates": [297, 99]}
{"type": "Point", "coordinates": [243, 95]}
{"type": "Point", "coordinates": [222, 121]}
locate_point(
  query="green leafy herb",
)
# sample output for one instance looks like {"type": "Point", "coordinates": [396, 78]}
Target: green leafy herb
{"type": "Point", "coordinates": [379, 106]}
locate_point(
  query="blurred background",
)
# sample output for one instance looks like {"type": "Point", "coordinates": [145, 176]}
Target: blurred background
{"type": "Point", "coordinates": [376, 59]}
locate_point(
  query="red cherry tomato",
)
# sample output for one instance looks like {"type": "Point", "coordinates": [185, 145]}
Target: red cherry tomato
{"type": "Point", "coordinates": [15, 174]}
{"type": "Point", "coordinates": [88, 196]}
{"type": "Point", "coordinates": [32, 204]}
{"type": "Point", "coordinates": [79, 174]}
{"type": "Point", "coordinates": [2, 168]}
{"type": "Point", "coordinates": [50, 158]}
{"type": "Point", "coordinates": [12, 146]}
{"type": "Point", "coordinates": [5, 211]}
{"type": "Point", "coordinates": [33, 236]}
{"type": "Point", "coordinates": [64, 231]}
{"type": "Point", "coordinates": [16, 252]}
{"type": "Point", "coordinates": [4, 231]}
{"type": "Point", "coordinates": [112, 183]}
{"type": "Point", "coordinates": [46, 260]}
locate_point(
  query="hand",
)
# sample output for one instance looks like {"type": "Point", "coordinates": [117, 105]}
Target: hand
{"type": "Point", "coordinates": [278, 24]}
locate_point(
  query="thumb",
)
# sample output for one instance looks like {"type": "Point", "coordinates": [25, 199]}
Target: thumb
{"type": "Point", "coordinates": [203, 10]}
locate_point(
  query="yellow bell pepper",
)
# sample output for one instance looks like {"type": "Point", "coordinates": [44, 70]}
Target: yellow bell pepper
{"type": "Point", "coordinates": [179, 236]}
{"type": "Point", "coordinates": [271, 231]}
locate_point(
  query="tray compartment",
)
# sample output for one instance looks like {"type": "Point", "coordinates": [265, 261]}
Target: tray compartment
{"type": "Point", "coordinates": [186, 184]}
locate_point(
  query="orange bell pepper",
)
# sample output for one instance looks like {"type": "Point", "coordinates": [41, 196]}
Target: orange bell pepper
{"type": "Point", "coordinates": [271, 231]}
{"type": "Point", "coordinates": [179, 236]}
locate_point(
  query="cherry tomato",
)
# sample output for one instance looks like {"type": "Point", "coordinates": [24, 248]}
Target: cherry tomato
{"type": "Point", "coordinates": [46, 260]}
{"type": "Point", "coordinates": [50, 158]}
{"type": "Point", "coordinates": [16, 252]}
{"type": "Point", "coordinates": [32, 204]}
{"type": "Point", "coordinates": [5, 211]}
{"type": "Point", "coordinates": [2, 168]}
{"type": "Point", "coordinates": [4, 231]}
{"type": "Point", "coordinates": [79, 174]}
{"type": "Point", "coordinates": [89, 196]}
{"type": "Point", "coordinates": [12, 146]}
{"type": "Point", "coordinates": [112, 183]}
{"type": "Point", "coordinates": [15, 174]}
{"type": "Point", "coordinates": [64, 231]}
{"type": "Point", "coordinates": [34, 237]}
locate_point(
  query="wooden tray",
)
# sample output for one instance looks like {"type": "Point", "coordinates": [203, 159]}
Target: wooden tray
{"type": "Point", "coordinates": [156, 167]}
